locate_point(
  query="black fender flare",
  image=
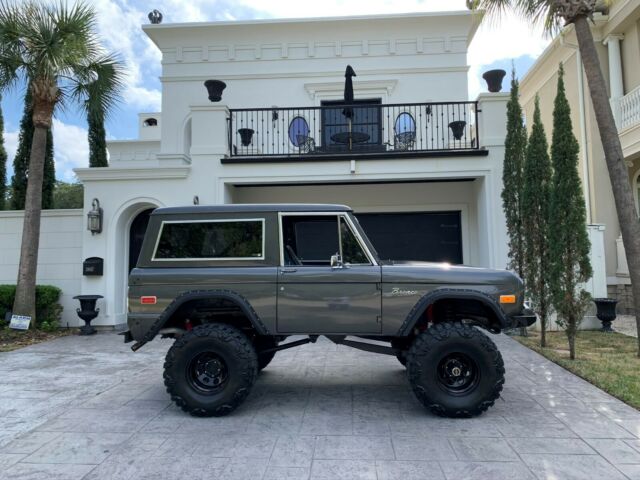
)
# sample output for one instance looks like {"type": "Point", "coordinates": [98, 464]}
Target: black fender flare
{"type": "Point", "coordinates": [454, 294]}
{"type": "Point", "coordinates": [188, 296]}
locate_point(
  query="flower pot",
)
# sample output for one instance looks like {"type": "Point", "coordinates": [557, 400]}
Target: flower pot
{"type": "Point", "coordinates": [246, 134]}
{"type": "Point", "coordinates": [457, 128]}
{"type": "Point", "coordinates": [87, 312]}
{"type": "Point", "coordinates": [606, 312]}
{"type": "Point", "coordinates": [215, 88]}
{"type": "Point", "coordinates": [494, 79]}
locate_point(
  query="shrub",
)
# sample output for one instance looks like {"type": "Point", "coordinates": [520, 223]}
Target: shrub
{"type": "Point", "coordinates": [48, 310]}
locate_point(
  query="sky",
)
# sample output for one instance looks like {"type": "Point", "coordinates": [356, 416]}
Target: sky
{"type": "Point", "coordinates": [499, 43]}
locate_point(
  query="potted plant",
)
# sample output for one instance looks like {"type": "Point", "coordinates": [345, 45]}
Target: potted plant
{"type": "Point", "coordinates": [606, 312]}
{"type": "Point", "coordinates": [215, 88]}
{"type": "Point", "coordinates": [494, 79]}
{"type": "Point", "coordinates": [457, 128]}
{"type": "Point", "coordinates": [246, 134]}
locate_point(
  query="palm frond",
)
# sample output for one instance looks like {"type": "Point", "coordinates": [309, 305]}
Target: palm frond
{"type": "Point", "coordinates": [57, 45]}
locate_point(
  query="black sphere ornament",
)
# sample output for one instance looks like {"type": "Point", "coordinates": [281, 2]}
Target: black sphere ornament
{"type": "Point", "coordinates": [215, 88]}
{"type": "Point", "coordinates": [155, 17]}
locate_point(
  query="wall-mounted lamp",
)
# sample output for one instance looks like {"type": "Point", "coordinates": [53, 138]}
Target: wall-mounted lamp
{"type": "Point", "coordinates": [94, 217]}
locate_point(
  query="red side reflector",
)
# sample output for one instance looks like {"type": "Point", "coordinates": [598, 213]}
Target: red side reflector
{"type": "Point", "coordinates": [150, 300]}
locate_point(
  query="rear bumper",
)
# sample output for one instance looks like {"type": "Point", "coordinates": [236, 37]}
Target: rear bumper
{"type": "Point", "coordinates": [524, 319]}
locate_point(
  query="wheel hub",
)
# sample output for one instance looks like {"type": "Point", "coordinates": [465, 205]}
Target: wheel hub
{"type": "Point", "coordinates": [457, 373]}
{"type": "Point", "coordinates": [208, 372]}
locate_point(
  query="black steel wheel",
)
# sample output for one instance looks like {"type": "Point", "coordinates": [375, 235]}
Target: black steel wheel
{"type": "Point", "coordinates": [210, 370]}
{"type": "Point", "coordinates": [455, 370]}
{"type": "Point", "coordinates": [262, 344]}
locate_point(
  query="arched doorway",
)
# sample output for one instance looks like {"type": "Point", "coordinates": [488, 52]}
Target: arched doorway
{"type": "Point", "coordinates": [136, 236]}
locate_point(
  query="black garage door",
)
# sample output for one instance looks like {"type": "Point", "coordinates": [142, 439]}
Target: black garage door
{"type": "Point", "coordinates": [421, 236]}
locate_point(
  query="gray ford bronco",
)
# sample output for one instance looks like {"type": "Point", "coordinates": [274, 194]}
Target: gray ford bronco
{"type": "Point", "coordinates": [231, 283]}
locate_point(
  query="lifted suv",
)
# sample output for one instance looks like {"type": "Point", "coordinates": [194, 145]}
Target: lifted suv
{"type": "Point", "coordinates": [230, 283]}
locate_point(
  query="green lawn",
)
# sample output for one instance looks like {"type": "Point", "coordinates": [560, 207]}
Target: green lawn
{"type": "Point", "coordinates": [607, 360]}
{"type": "Point", "coordinates": [14, 339]}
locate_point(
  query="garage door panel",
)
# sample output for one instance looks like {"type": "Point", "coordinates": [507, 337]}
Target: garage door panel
{"type": "Point", "coordinates": [420, 236]}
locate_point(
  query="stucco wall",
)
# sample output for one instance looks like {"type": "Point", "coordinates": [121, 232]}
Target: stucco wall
{"type": "Point", "coordinates": [59, 256]}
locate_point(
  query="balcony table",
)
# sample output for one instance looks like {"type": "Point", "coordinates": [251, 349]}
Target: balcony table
{"type": "Point", "coordinates": [350, 137]}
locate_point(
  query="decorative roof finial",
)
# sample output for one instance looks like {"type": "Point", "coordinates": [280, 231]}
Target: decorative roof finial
{"type": "Point", "coordinates": [155, 17]}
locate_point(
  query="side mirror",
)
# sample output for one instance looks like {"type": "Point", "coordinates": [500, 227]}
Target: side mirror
{"type": "Point", "coordinates": [336, 261]}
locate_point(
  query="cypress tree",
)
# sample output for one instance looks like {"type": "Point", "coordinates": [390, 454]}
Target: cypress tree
{"type": "Point", "coordinates": [21, 162]}
{"type": "Point", "coordinates": [97, 142]}
{"type": "Point", "coordinates": [569, 242]}
{"type": "Point", "coordinates": [23, 153]}
{"type": "Point", "coordinates": [3, 164]}
{"type": "Point", "coordinates": [536, 198]}
{"type": "Point", "coordinates": [515, 145]}
{"type": "Point", "coordinates": [49, 175]}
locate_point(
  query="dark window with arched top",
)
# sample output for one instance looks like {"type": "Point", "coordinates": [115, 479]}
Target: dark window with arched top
{"type": "Point", "coordinates": [136, 236]}
{"type": "Point", "coordinates": [150, 122]}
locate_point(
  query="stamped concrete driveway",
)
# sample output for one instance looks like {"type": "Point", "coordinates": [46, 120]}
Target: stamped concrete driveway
{"type": "Point", "coordinates": [89, 408]}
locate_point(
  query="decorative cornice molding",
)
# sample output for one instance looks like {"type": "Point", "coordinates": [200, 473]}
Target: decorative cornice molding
{"type": "Point", "coordinates": [311, 74]}
{"type": "Point", "coordinates": [422, 45]}
{"type": "Point", "coordinates": [131, 173]}
{"type": "Point", "coordinates": [315, 90]}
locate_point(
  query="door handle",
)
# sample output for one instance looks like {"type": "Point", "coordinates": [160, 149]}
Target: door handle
{"type": "Point", "coordinates": [288, 270]}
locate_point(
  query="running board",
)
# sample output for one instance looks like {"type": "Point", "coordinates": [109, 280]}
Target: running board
{"type": "Point", "coordinates": [367, 347]}
{"type": "Point", "coordinates": [297, 343]}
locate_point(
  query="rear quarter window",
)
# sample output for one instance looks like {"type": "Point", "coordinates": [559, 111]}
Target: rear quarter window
{"type": "Point", "coordinates": [210, 240]}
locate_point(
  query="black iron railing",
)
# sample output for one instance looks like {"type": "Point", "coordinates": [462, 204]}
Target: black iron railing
{"type": "Point", "coordinates": [360, 128]}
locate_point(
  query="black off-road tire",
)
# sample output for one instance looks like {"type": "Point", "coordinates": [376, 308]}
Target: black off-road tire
{"type": "Point", "coordinates": [438, 355]}
{"type": "Point", "coordinates": [401, 345]}
{"type": "Point", "coordinates": [263, 342]}
{"type": "Point", "coordinates": [227, 346]}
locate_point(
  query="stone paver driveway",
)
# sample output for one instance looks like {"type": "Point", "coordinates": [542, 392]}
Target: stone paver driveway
{"type": "Point", "coordinates": [89, 408]}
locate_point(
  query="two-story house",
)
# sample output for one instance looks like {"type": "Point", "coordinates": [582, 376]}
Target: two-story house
{"type": "Point", "coordinates": [420, 164]}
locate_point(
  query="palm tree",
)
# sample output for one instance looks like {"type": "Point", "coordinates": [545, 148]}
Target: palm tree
{"type": "Point", "coordinates": [554, 14]}
{"type": "Point", "coordinates": [52, 50]}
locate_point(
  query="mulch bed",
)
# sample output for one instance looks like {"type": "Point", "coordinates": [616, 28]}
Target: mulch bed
{"type": "Point", "coordinates": [13, 339]}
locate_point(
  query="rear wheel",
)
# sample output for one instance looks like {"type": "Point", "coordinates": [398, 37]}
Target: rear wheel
{"type": "Point", "coordinates": [210, 370]}
{"type": "Point", "coordinates": [455, 370]}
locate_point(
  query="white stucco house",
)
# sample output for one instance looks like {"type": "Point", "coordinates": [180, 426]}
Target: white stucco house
{"type": "Point", "coordinates": [420, 164]}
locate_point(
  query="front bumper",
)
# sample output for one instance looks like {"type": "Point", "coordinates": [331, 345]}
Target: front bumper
{"type": "Point", "coordinates": [524, 319]}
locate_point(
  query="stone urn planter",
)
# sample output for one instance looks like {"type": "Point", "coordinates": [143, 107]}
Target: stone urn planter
{"type": "Point", "coordinates": [606, 312]}
{"type": "Point", "coordinates": [246, 134]}
{"type": "Point", "coordinates": [215, 88]}
{"type": "Point", "coordinates": [457, 128]}
{"type": "Point", "coordinates": [494, 79]}
{"type": "Point", "coordinates": [87, 312]}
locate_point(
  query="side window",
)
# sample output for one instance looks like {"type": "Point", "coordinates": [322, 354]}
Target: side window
{"type": "Point", "coordinates": [211, 240]}
{"type": "Point", "coordinates": [311, 240]}
{"type": "Point", "coordinates": [351, 250]}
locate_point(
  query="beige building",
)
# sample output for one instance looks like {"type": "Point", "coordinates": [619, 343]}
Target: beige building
{"type": "Point", "coordinates": [617, 38]}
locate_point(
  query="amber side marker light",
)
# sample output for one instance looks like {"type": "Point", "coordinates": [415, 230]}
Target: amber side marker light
{"type": "Point", "coordinates": [507, 299]}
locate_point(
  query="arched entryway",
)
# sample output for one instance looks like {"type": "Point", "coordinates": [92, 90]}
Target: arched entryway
{"type": "Point", "coordinates": [126, 232]}
{"type": "Point", "coordinates": [136, 236]}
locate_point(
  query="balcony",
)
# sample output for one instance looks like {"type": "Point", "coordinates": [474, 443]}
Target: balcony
{"type": "Point", "coordinates": [365, 129]}
{"type": "Point", "coordinates": [630, 109]}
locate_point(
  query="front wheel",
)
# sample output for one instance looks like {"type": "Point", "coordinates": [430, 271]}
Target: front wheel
{"type": "Point", "coordinates": [210, 370]}
{"type": "Point", "coordinates": [262, 345]}
{"type": "Point", "coordinates": [455, 370]}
